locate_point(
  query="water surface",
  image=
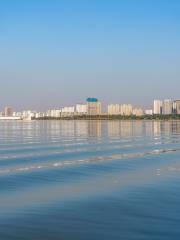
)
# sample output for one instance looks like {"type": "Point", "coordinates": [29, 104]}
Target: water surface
{"type": "Point", "coordinates": [89, 180]}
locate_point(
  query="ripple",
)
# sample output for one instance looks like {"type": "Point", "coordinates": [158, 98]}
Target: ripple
{"type": "Point", "coordinates": [72, 162]}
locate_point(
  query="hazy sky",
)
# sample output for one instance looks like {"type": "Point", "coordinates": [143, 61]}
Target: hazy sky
{"type": "Point", "coordinates": [58, 52]}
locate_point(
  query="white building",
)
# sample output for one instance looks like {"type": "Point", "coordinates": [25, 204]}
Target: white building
{"type": "Point", "coordinates": [126, 109]}
{"type": "Point", "coordinates": [28, 114]}
{"type": "Point", "coordinates": [17, 114]}
{"type": "Point", "coordinates": [54, 113]}
{"type": "Point", "coordinates": [149, 112]}
{"type": "Point", "coordinates": [177, 106]}
{"type": "Point", "coordinates": [8, 112]}
{"type": "Point", "coordinates": [68, 111]}
{"type": "Point", "coordinates": [157, 107]}
{"type": "Point", "coordinates": [81, 109]}
{"type": "Point", "coordinates": [114, 109]}
{"type": "Point", "coordinates": [167, 107]}
{"type": "Point", "coordinates": [39, 115]}
{"type": "Point", "coordinates": [138, 112]}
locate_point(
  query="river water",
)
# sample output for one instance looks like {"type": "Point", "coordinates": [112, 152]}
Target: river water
{"type": "Point", "coordinates": [89, 180]}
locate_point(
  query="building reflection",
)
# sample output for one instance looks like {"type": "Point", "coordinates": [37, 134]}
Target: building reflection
{"type": "Point", "coordinates": [157, 127]}
{"type": "Point", "coordinates": [114, 128]}
{"type": "Point", "coordinates": [126, 128]}
{"type": "Point", "coordinates": [94, 128]}
{"type": "Point", "coordinates": [138, 128]}
{"type": "Point", "coordinates": [81, 128]}
{"type": "Point", "coordinates": [149, 126]}
{"type": "Point", "coordinates": [176, 127]}
{"type": "Point", "coordinates": [142, 128]}
{"type": "Point", "coordinates": [166, 127]}
{"type": "Point", "coordinates": [54, 130]}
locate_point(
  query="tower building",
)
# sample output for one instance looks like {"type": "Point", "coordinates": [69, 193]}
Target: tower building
{"type": "Point", "coordinates": [93, 106]}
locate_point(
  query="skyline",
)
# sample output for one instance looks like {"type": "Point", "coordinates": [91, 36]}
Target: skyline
{"type": "Point", "coordinates": [168, 109]}
{"type": "Point", "coordinates": [104, 107]}
{"type": "Point", "coordinates": [57, 54]}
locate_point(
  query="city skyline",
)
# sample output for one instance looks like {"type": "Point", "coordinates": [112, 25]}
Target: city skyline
{"type": "Point", "coordinates": [59, 53]}
{"type": "Point", "coordinates": [105, 105]}
{"type": "Point", "coordinates": [93, 107]}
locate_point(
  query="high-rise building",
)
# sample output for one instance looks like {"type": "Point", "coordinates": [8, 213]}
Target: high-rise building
{"type": "Point", "coordinates": [138, 112]}
{"type": "Point", "coordinates": [55, 113]}
{"type": "Point", "coordinates": [177, 106]}
{"type": "Point", "coordinates": [93, 106]}
{"type": "Point", "coordinates": [81, 109]}
{"type": "Point", "coordinates": [167, 106]}
{"type": "Point", "coordinates": [126, 109]}
{"type": "Point", "coordinates": [157, 107]}
{"type": "Point", "coordinates": [149, 112]}
{"type": "Point", "coordinates": [114, 109]}
{"type": "Point", "coordinates": [68, 111]}
{"type": "Point", "coordinates": [8, 112]}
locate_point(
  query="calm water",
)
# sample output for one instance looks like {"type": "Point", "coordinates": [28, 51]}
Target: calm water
{"type": "Point", "coordinates": [89, 180]}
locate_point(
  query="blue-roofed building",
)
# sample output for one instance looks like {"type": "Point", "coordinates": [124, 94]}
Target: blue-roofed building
{"type": "Point", "coordinates": [93, 106]}
{"type": "Point", "coordinates": [92, 99]}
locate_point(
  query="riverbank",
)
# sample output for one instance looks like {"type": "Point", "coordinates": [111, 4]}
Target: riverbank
{"type": "Point", "coordinates": [115, 117]}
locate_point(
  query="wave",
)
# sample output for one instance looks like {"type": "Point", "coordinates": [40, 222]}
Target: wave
{"type": "Point", "coordinates": [59, 164]}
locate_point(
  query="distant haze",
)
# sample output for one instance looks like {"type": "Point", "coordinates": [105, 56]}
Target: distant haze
{"type": "Point", "coordinates": [56, 53]}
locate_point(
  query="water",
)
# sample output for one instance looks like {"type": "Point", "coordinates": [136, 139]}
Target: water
{"type": "Point", "coordinates": [89, 180]}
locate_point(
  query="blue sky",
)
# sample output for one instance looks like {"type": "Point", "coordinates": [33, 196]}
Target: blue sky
{"type": "Point", "coordinates": [58, 52]}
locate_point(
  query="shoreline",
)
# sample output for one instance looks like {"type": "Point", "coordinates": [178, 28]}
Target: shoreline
{"type": "Point", "coordinates": [118, 117]}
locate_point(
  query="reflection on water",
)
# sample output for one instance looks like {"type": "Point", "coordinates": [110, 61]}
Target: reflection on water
{"type": "Point", "coordinates": [89, 180]}
{"type": "Point", "coordinates": [89, 128]}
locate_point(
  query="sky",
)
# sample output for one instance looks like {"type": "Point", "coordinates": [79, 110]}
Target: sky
{"type": "Point", "coordinates": [59, 52]}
